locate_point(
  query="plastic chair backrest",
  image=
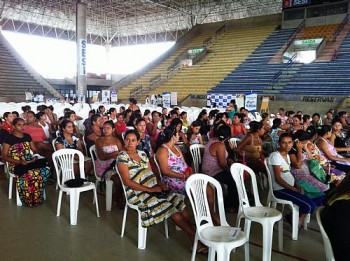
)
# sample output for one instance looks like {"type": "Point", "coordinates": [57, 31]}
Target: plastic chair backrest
{"type": "Point", "coordinates": [54, 144]}
{"type": "Point", "coordinates": [196, 188]}
{"type": "Point", "coordinates": [157, 164]}
{"type": "Point", "coordinates": [94, 157]}
{"type": "Point", "coordinates": [85, 147]}
{"type": "Point", "coordinates": [238, 171]}
{"type": "Point", "coordinates": [235, 141]}
{"type": "Point", "coordinates": [63, 160]}
{"type": "Point", "coordinates": [327, 243]}
{"type": "Point", "coordinates": [271, 195]}
{"type": "Point", "coordinates": [121, 181]}
{"type": "Point", "coordinates": [195, 150]}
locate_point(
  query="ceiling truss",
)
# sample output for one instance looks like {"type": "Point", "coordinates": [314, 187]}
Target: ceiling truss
{"type": "Point", "coordinates": [120, 22]}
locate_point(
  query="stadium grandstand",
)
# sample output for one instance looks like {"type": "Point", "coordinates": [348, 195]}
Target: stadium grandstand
{"type": "Point", "coordinates": [265, 55]}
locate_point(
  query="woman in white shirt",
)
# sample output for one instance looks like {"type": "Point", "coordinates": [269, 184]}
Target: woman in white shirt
{"type": "Point", "coordinates": [284, 186]}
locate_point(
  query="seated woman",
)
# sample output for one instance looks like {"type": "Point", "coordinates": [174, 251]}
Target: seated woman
{"type": "Point", "coordinates": [41, 121]}
{"type": "Point", "coordinates": [300, 155]}
{"type": "Point", "coordinates": [193, 134]}
{"type": "Point", "coordinates": [276, 131]}
{"type": "Point", "coordinates": [39, 138]}
{"type": "Point", "coordinates": [295, 125]}
{"type": "Point", "coordinates": [335, 219]}
{"type": "Point", "coordinates": [338, 138]}
{"type": "Point", "coordinates": [329, 151]}
{"type": "Point", "coordinates": [284, 186]}
{"type": "Point", "coordinates": [72, 116]}
{"type": "Point", "coordinates": [120, 125]}
{"type": "Point", "coordinates": [142, 189]}
{"type": "Point", "coordinates": [32, 173]}
{"type": "Point", "coordinates": [215, 164]}
{"type": "Point", "coordinates": [145, 141]}
{"type": "Point", "coordinates": [251, 147]}
{"type": "Point", "coordinates": [265, 120]}
{"type": "Point", "coordinates": [171, 161]}
{"type": "Point", "coordinates": [182, 142]}
{"type": "Point", "coordinates": [237, 127]}
{"type": "Point", "coordinates": [153, 128]}
{"type": "Point", "coordinates": [91, 135]}
{"type": "Point", "coordinates": [108, 148]}
{"type": "Point", "coordinates": [7, 126]}
{"type": "Point", "coordinates": [68, 140]}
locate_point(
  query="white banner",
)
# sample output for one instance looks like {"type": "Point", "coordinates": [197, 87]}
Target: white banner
{"type": "Point", "coordinates": [251, 101]}
{"type": "Point", "coordinates": [114, 95]}
{"type": "Point", "coordinates": [173, 98]}
{"type": "Point", "coordinates": [106, 96]}
{"type": "Point", "coordinates": [166, 99]}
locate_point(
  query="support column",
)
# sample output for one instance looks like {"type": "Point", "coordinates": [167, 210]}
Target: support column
{"type": "Point", "coordinates": [108, 47]}
{"type": "Point", "coordinates": [81, 84]}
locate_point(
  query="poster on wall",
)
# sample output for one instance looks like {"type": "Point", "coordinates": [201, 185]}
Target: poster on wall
{"type": "Point", "coordinates": [166, 99]}
{"type": "Point", "coordinates": [106, 96]}
{"type": "Point", "coordinates": [222, 100]}
{"type": "Point", "coordinates": [173, 98]}
{"type": "Point", "coordinates": [251, 101]}
{"type": "Point", "coordinates": [114, 95]}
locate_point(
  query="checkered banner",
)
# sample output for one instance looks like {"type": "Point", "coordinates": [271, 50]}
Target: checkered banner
{"type": "Point", "coordinates": [223, 100]}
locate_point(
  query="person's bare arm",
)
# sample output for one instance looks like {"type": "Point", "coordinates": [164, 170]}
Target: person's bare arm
{"type": "Point", "coordinates": [124, 173]}
{"type": "Point", "coordinates": [280, 181]}
{"type": "Point", "coordinates": [162, 158]}
{"type": "Point", "coordinates": [324, 148]}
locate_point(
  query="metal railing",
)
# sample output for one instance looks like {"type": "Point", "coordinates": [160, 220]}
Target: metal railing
{"type": "Point", "coordinates": [294, 35]}
{"type": "Point", "coordinates": [340, 28]}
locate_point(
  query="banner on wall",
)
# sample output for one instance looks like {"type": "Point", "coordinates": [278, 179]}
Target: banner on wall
{"type": "Point", "coordinates": [251, 101]}
{"type": "Point", "coordinates": [106, 96]}
{"type": "Point", "coordinates": [222, 100]}
{"type": "Point", "coordinates": [173, 98]}
{"type": "Point", "coordinates": [166, 99]}
{"type": "Point", "coordinates": [114, 95]}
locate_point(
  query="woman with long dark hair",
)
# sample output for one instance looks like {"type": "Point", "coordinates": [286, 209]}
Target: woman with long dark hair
{"type": "Point", "coordinates": [32, 173]}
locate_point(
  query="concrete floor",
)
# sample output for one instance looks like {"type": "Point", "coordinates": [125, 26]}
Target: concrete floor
{"type": "Point", "coordinates": [37, 234]}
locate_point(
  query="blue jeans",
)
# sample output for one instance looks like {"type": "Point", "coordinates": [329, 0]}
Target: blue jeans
{"type": "Point", "coordinates": [305, 204]}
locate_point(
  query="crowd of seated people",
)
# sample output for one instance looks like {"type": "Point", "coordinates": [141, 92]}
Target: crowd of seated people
{"type": "Point", "coordinates": [306, 157]}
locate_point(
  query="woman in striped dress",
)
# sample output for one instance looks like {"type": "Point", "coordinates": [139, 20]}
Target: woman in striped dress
{"type": "Point", "coordinates": [154, 199]}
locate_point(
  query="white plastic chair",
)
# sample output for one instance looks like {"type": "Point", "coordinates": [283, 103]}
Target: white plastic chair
{"type": "Point", "coordinates": [327, 243]}
{"type": "Point", "coordinates": [218, 238]}
{"type": "Point", "coordinates": [234, 142]}
{"type": "Point", "coordinates": [63, 160]}
{"type": "Point", "coordinates": [195, 150]}
{"type": "Point", "coordinates": [12, 176]}
{"type": "Point", "coordinates": [266, 216]}
{"type": "Point", "coordinates": [142, 231]}
{"type": "Point", "coordinates": [273, 201]}
{"type": "Point", "coordinates": [109, 183]}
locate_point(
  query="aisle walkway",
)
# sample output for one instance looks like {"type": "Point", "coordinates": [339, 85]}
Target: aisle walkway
{"type": "Point", "coordinates": [37, 234]}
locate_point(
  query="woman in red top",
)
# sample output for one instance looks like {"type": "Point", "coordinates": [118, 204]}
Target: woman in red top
{"type": "Point", "coordinates": [237, 128]}
{"type": "Point", "coordinates": [120, 125]}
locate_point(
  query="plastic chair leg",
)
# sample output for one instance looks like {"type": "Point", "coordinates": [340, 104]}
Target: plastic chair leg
{"type": "Point", "coordinates": [246, 251]}
{"type": "Point", "coordinates": [306, 221]}
{"type": "Point", "coordinates": [295, 223]}
{"type": "Point", "coordinates": [211, 254]}
{"type": "Point", "coordinates": [142, 235]}
{"type": "Point", "coordinates": [10, 186]}
{"type": "Point", "coordinates": [109, 192]}
{"type": "Point", "coordinates": [267, 240]}
{"type": "Point", "coordinates": [194, 248]}
{"type": "Point", "coordinates": [223, 254]}
{"type": "Point", "coordinates": [19, 202]}
{"type": "Point", "coordinates": [96, 203]}
{"type": "Point", "coordinates": [166, 229]}
{"type": "Point", "coordinates": [73, 207]}
{"type": "Point", "coordinates": [124, 220]}
{"type": "Point", "coordinates": [59, 203]}
{"type": "Point", "coordinates": [280, 235]}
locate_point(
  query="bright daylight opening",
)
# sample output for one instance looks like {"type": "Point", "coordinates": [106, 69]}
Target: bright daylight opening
{"type": "Point", "coordinates": [56, 59]}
